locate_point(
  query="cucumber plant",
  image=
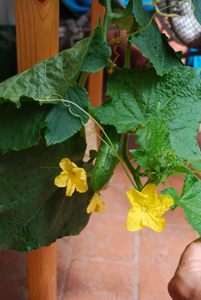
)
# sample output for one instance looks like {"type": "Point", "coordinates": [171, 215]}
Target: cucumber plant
{"type": "Point", "coordinates": [42, 118]}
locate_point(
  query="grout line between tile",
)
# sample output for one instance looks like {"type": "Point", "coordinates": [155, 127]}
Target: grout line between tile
{"type": "Point", "coordinates": [68, 265]}
{"type": "Point", "coordinates": [179, 226]}
{"type": "Point", "coordinates": [119, 185]}
{"type": "Point", "coordinates": [102, 260]}
{"type": "Point", "coordinates": [137, 263]}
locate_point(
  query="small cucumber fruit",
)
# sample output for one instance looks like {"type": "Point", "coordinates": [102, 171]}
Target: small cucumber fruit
{"type": "Point", "coordinates": [106, 160]}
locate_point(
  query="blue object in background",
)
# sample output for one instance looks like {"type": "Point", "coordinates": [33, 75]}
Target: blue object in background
{"type": "Point", "coordinates": [78, 7]}
{"type": "Point", "coordinates": [193, 61]}
{"type": "Point", "coordinates": [148, 7]}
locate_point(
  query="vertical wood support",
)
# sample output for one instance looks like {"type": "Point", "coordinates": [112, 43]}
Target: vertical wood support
{"type": "Point", "coordinates": [37, 34]}
{"type": "Point", "coordinates": [95, 82]}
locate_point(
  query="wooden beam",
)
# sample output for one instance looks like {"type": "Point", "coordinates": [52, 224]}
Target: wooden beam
{"type": "Point", "coordinates": [37, 33]}
{"type": "Point", "coordinates": [42, 273]}
{"type": "Point", "coordinates": [95, 82]}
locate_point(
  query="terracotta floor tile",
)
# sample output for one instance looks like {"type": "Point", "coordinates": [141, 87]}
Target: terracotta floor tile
{"type": "Point", "coordinates": [176, 218]}
{"type": "Point", "coordinates": [159, 257]}
{"type": "Point", "coordinates": [13, 278]}
{"type": "Point", "coordinates": [87, 277]}
{"type": "Point", "coordinates": [116, 201]}
{"type": "Point", "coordinates": [105, 239]}
{"type": "Point", "coordinates": [175, 181]}
{"type": "Point", "coordinates": [64, 257]}
{"type": "Point", "coordinates": [119, 177]}
{"type": "Point", "coordinates": [92, 296]}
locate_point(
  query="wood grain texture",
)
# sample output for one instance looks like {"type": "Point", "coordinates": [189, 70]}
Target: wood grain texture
{"type": "Point", "coordinates": [95, 82]}
{"type": "Point", "coordinates": [37, 33]}
{"type": "Point", "coordinates": [42, 275]}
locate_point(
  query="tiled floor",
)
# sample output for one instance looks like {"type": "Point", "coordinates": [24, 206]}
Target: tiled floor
{"type": "Point", "coordinates": [107, 262]}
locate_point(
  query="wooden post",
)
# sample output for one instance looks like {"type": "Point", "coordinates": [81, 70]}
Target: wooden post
{"type": "Point", "coordinates": [95, 82]}
{"type": "Point", "coordinates": [37, 33]}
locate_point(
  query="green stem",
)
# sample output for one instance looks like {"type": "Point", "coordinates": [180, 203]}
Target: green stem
{"type": "Point", "coordinates": [133, 33]}
{"type": "Point", "coordinates": [145, 27]}
{"type": "Point", "coordinates": [82, 82]}
{"type": "Point", "coordinates": [128, 48]}
{"type": "Point", "coordinates": [194, 161]}
{"type": "Point", "coordinates": [83, 78]}
{"type": "Point", "coordinates": [159, 11]}
{"type": "Point", "coordinates": [106, 18]}
{"type": "Point", "coordinates": [129, 165]}
{"type": "Point", "coordinates": [125, 13]}
{"type": "Point", "coordinates": [128, 54]}
{"type": "Point", "coordinates": [196, 170]}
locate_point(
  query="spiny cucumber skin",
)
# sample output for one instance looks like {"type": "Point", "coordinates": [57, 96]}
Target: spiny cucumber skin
{"type": "Point", "coordinates": [106, 161]}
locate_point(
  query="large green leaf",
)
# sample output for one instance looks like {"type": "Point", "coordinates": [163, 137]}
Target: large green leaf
{"type": "Point", "coordinates": [190, 201]}
{"type": "Point", "coordinates": [52, 77]}
{"type": "Point", "coordinates": [21, 128]}
{"type": "Point", "coordinates": [173, 193]}
{"type": "Point", "coordinates": [137, 95]}
{"type": "Point", "coordinates": [62, 122]}
{"type": "Point", "coordinates": [98, 52]}
{"type": "Point", "coordinates": [33, 211]}
{"type": "Point", "coordinates": [197, 10]}
{"type": "Point", "coordinates": [45, 79]}
{"type": "Point", "coordinates": [128, 23]}
{"type": "Point", "coordinates": [151, 43]}
{"type": "Point", "coordinates": [114, 4]}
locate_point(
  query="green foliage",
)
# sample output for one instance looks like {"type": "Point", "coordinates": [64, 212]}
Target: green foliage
{"type": "Point", "coordinates": [158, 158]}
{"type": "Point", "coordinates": [33, 211]}
{"type": "Point", "coordinates": [151, 43]}
{"type": "Point", "coordinates": [197, 10]}
{"type": "Point", "coordinates": [43, 110]}
{"type": "Point", "coordinates": [64, 119]}
{"type": "Point", "coordinates": [22, 127]}
{"type": "Point", "coordinates": [190, 201]}
{"type": "Point", "coordinates": [128, 23]}
{"type": "Point", "coordinates": [173, 193]}
{"type": "Point", "coordinates": [98, 52]}
{"type": "Point", "coordinates": [135, 95]}
{"type": "Point", "coordinates": [45, 79]}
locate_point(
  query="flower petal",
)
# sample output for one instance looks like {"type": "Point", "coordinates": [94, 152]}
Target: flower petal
{"type": "Point", "coordinates": [72, 177]}
{"type": "Point", "coordinates": [147, 208]}
{"type": "Point", "coordinates": [150, 191]}
{"type": "Point", "coordinates": [66, 165]}
{"type": "Point", "coordinates": [70, 188]}
{"type": "Point", "coordinates": [61, 180]}
{"type": "Point", "coordinates": [81, 180]}
{"type": "Point", "coordinates": [161, 205]}
{"type": "Point", "coordinates": [134, 220]}
{"type": "Point", "coordinates": [136, 198]}
{"type": "Point", "coordinates": [155, 223]}
{"type": "Point", "coordinates": [96, 204]}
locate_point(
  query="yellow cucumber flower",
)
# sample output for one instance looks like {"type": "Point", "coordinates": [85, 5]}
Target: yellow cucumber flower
{"type": "Point", "coordinates": [96, 204]}
{"type": "Point", "coordinates": [72, 177]}
{"type": "Point", "coordinates": [147, 209]}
